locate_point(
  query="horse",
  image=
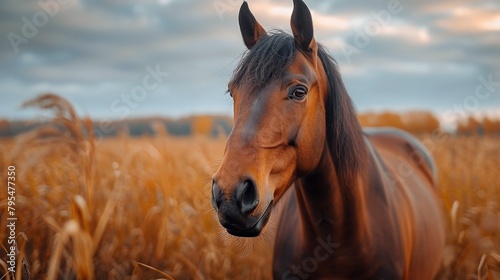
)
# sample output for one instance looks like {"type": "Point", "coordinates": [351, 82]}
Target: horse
{"type": "Point", "coordinates": [354, 203]}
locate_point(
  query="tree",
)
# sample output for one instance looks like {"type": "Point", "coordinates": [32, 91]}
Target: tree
{"type": "Point", "coordinates": [202, 125]}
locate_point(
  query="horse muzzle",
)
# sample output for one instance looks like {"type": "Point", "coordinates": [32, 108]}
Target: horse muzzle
{"type": "Point", "coordinates": [236, 211]}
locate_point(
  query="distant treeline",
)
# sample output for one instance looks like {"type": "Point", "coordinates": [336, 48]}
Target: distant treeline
{"type": "Point", "coordinates": [479, 126]}
{"type": "Point", "coordinates": [206, 125]}
{"type": "Point", "coordinates": [416, 122]}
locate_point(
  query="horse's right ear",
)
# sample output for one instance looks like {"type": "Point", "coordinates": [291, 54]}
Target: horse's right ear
{"type": "Point", "coordinates": [302, 26]}
{"type": "Point", "coordinates": [251, 30]}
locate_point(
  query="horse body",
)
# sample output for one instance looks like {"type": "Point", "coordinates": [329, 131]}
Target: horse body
{"type": "Point", "coordinates": [393, 230]}
{"type": "Point", "coordinates": [354, 204]}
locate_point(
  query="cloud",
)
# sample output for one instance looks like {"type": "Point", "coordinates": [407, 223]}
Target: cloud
{"type": "Point", "coordinates": [428, 55]}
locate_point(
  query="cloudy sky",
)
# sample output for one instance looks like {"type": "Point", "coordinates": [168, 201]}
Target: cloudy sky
{"type": "Point", "coordinates": [121, 58]}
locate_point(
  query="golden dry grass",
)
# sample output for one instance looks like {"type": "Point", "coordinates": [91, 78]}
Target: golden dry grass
{"type": "Point", "coordinates": [140, 208]}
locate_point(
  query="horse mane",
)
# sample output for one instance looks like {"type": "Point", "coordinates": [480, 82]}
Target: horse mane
{"type": "Point", "coordinates": [343, 130]}
{"type": "Point", "coordinates": [268, 61]}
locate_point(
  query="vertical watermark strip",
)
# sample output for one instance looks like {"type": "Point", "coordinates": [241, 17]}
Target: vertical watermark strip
{"type": "Point", "coordinates": [11, 218]}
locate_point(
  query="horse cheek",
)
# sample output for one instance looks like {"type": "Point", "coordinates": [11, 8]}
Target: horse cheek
{"type": "Point", "coordinates": [311, 143]}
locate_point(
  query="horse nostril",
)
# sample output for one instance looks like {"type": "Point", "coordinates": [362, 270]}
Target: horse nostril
{"type": "Point", "coordinates": [217, 196]}
{"type": "Point", "coordinates": [247, 197]}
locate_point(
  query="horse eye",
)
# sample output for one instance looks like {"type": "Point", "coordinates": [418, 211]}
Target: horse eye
{"type": "Point", "coordinates": [230, 93]}
{"type": "Point", "coordinates": [298, 93]}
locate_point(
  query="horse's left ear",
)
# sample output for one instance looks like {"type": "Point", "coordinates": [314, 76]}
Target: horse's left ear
{"type": "Point", "coordinates": [302, 26]}
{"type": "Point", "coordinates": [250, 29]}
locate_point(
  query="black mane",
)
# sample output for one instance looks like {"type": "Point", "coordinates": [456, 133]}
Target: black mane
{"type": "Point", "coordinates": [266, 61]}
{"type": "Point", "coordinates": [343, 130]}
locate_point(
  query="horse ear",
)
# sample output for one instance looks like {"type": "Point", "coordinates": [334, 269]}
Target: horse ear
{"type": "Point", "coordinates": [302, 26]}
{"type": "Point", "coordinates": [251, 30]}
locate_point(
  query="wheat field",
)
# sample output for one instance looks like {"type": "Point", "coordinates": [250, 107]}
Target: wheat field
{"type": "Point", "coordinates": [139, 208]}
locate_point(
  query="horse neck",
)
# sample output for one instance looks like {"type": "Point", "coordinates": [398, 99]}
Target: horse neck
{"type": "Point", "coordinates": [330, 208]}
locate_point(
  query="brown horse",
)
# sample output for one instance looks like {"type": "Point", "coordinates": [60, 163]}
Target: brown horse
{"type": "Point", "coordinates": [355, 204]}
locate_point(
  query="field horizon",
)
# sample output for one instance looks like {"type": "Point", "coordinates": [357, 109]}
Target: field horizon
{"type": "Point", "coordinates": [139, 208]}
